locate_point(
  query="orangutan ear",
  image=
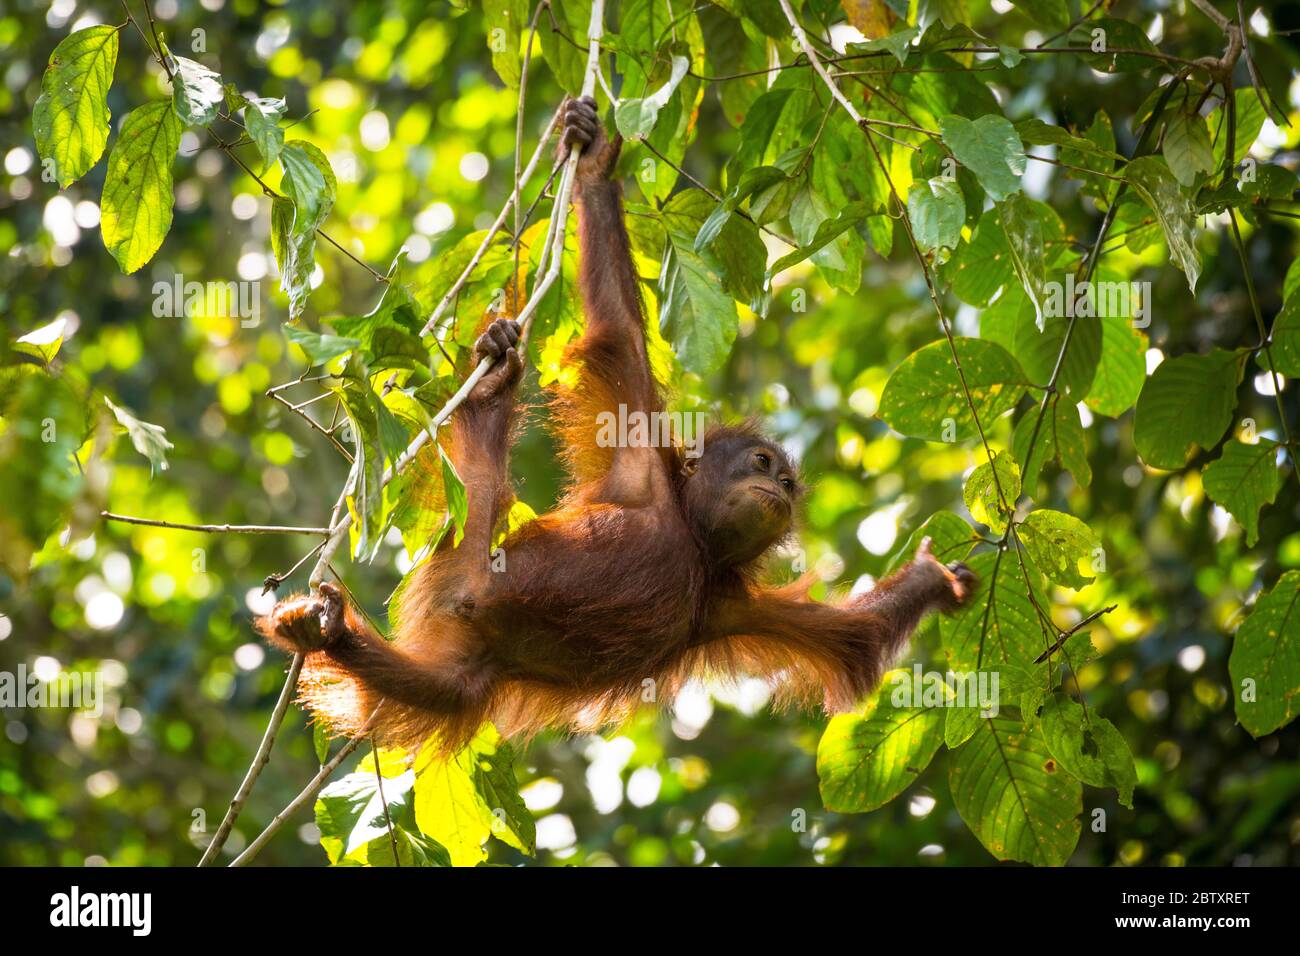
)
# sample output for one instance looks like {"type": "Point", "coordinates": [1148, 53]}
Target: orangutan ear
{"type": "Point", "coordinates": [690, 466]}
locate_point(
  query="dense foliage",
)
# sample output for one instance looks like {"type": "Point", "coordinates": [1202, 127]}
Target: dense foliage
{"type": "Point", "coordinates": [1023, 284]}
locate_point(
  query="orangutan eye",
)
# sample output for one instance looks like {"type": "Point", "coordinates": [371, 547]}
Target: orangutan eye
{"type": "Point", "coordinates": [763, 460]}
{"type": "Point", "coordinates": [787, 484]}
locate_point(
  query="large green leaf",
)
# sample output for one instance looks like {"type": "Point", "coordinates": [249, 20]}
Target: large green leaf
{"type": "Point", "coordinates": [462, 800]}
{"type": "Point", "coordinates": [136, 207]}
{"type": "Point", "coordinates": [867, 758]}
{"type": "Point", "coordinates": [70, 118]}
{"type": "Point", "coordinates": [951, 539]}
{"type": "Point", "coordinates": [1024, 229]}
{"type": "Point", "coordinates": [1266, 653]}
{"type": "Point", "coordinates": [1244, 479]}
{"type": "Point", "coordinates": [1013, 795]}
{"type": "Point", "coordinates": [924, 396]}
{"type": "Point", "coordinates": [990, 148]}
{"type": "Point", "coordinates": [1187, 402]}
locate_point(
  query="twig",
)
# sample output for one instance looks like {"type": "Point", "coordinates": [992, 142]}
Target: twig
{"type": "Point", "coordinates": [308, 794]}
{"type": "Point", "coordinates": [493, 229]}
{"type": "Point", "coordinates": [1066, 635]}
{"type": "Point", "coordinates": [388, 818]}
{"type": "Point", "coordinates": [214, 528]}
{"type": "Point", "coordinates": [297, 410]}
{"type": "Point", "coordinates": [260, 760]}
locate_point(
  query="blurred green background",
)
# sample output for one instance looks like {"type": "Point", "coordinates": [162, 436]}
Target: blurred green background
{"type": "Point", "coordinates": [402, 97]}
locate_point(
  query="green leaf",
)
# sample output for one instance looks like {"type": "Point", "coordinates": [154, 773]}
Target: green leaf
{"type": "Point", "coordinates": [990, 148]}
{"type": "Point", "coordinates": [866, 759]}
{"type": "Point", "coordinates": [136, 206]}
{"type": "Point", "coordinates": [988, 486]}
{"type": "Point", "coordinates": [1121, 367]}
{"type": "Point", "coordinates": [494, 777]}
{"type": "Point", "coordinates": [310, 186]}
{"type": "Point", "coordinates": [149, 440]}
{"type": "Point", "coordinates": [695, 312]}
{"type": "Point", "coordinates": [1286, 331]}
{"type": "Point", "coordinates": [1052, 14]}
{"type": "Point", "coordinates": [1039, 351]}
{"type": "Point", "coordinates": [505, 22]}
{"type": "Point", "coordinates": [262, 120]}
{"type": "Point", "coordinates": [1266, 652]}
{"type": "Point", "coordinates": [896, 43]}
{"type": "Point", "coordinates": [1244, 479]}
{"type": "Point", "coordinates": [196, 92]}
{"type": "Point", "coordinates": [454, 490]}
{"type": "Point", "coordinates": [1088, 746]}
{"type": "Point", "coordinates": [1151, 179]}
{"type": "Point", "coordinates": [320, 348]}
{"type": "Point", "coordinates": [43, 343]}
{"type": "Point", "coordinates": [567, 62]}
{"type": "Point", "coordinates": [937, 211]}
{"type": "Point", "coordinates": [70, 117]}
{"type": "Point", "coordinates": [1105, 35]}
{"type": "Point", "coordinates": [1060, 438]}
{"type": "Point", "coordinates": [1187, 147]}
{"type": "Point", "coordinates": [1250, 120]}
{"type": "Point", "coordinates": [1011, 792]}
{"type": "Point", "coordinates": [1186, 403]}
{"type": "Point", "coordinates": [1059, 544]}
{"type": "Point", "coordinates": [1024, 231]}
{"type": "Point", "coordinates": [924, 396]}
{"type": "Point", "coordinates": [320, 742]}
{"type": "Point", "coordinates": [960, 725]}
{"type": "Point", "coordinates": [635, 117]}
{"type": "Point", "coordinates": [457, 799]}
{"type": "Point", "coordinates": [353, 818]}
{"type": "Point", "coordinates": [983, 265]}
{"type": "Point", "coordinates": [819, 241]}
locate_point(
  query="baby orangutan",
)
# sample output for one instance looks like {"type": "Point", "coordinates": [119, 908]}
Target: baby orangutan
{"type": "Point", "coordinates": [644, 575]}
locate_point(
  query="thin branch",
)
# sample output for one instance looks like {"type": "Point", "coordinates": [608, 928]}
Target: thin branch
{"type": "Point", "coordinates": [1066, 635]}
{"type": "Point", "coordinates": [714, 195]}
{"type": "Point", "coordinates": [388, 818]}
{"type": "Point", "coordinates": [297, 410]}
{"type": "Point", "coordinates": [307, 795]}
{"type": "Point", "coordinates": [451, 294]}
{"type": "Point", "coordinates": [260, 760]}
{"type": "Point", "coordinates": [214, 528]}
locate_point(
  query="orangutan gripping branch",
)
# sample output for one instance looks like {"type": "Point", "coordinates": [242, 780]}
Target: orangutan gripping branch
{"type": "Point", "coordinates": [644, 575]}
